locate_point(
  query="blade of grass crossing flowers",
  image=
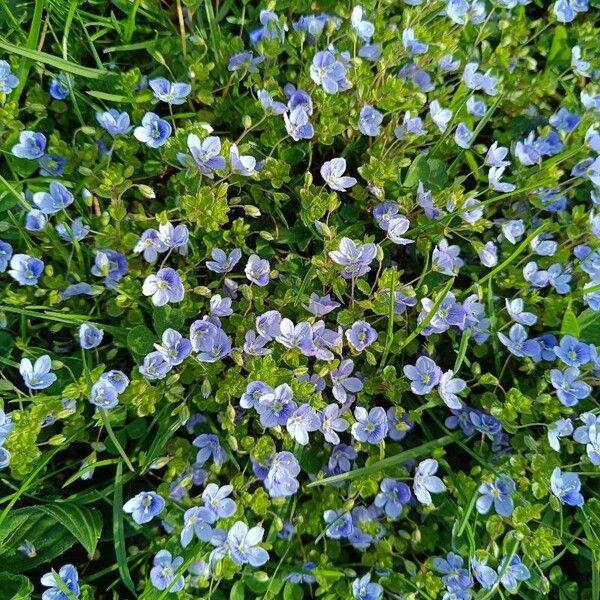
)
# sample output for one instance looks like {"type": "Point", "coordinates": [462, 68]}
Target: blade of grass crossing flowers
{"type": "Point", "coordinates": [118, 531]}
{"type": "Point", "coordinates": [386, 463]}
{"type": "Point", "coordinates": [429, 316]}
{"type": "Point", "coordinates": [390, 328]}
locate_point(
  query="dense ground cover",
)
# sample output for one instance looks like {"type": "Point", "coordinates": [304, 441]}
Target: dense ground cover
{"type": "Point", "coordinates": [299, 300]}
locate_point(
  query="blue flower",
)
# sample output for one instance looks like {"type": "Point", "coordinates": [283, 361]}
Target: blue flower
{"type": "Point", "coordinates": [221, 263]}
{"type": "Point", "coordinates": [513, 572]}
{"type": "Point", "coordinates": [565, 11]}
{"type": "Point", "coordinates": [364, 29]}
{"type": "Point", "coordinates": [163, 574]}
{"type": "Point", "coordinates": [242, 164]}
{"type": "Point", "coordinates": [518, 343]}
{"type": "Point", "coordinates": [197, 522]}
{"type": "Point", "coordinates": [475, 80]}
{"type": "Point", "coordinates": [271, 106]}
{"type": "Point", "coordinates": [399, 423]}
{"type": "Point", "coordinates": [424, 375]}
{"type": "Point", "coordinates": [276, 407]}
{"type": "Point", "coordinates": [447, 64]}
{"type": "Point", "coordinates": [205, 154]}
{"type": "Point", "coordinates": [328, 72]}
{"type": "Point", "coordinates": [117, 379]}
{"type": "Point", "coordinates": [569, 389]}
{"type": "Point", "coordinates": [412, 44]}
{"type": "Point", "coordinates": [32, 145]}
{"type": "Point", "coordinates": [339, 524]}
{"type": "Point", "coordinates": [60, 86]}
{"type": "Point", "coordinates": [104, 395]}
{"type": "Point", "coordinates": [581, 67]}
{"type": "Point", "coordinates": [111, 265]}
{"type": "Point", "coordinates": [499, 494]}
{"type": "Point", "coordinates": [51, 165]}
{"type": "Point", "coordinates": [144, 507]}
{"type": "Point", "coordinates": [25, 269]}
{"type": "Point", "coordinates": [150, 244]}
{"type": "Point", "coordinates": [171, 93]}
{"type": "Point", "coordinates": [244, 61]}
{"type": "Point", "coordinates": [331, 423]}
{"type": "Point", "coordinates": [411, 126]}
{"type": "Point", "coordinates": [163, 287]}
{"type": "Point", "coordinates": [344, 386]}
{"type": "Point", "coordinates": [320, 306]}
{"type": "Point", "coordinates": [339, 460]}
{"type": "Point", "coordinates": [37, 376]}
{"type": "Point", "coordinates": [90, 336]}
{"type": "Point", "coordinates": [175, 348]}
{"type": "Point", "coordinates": [564, 120]}
{"type": "Point", "coordinates": [155, 366]}
{"type": "Point", "coordinates": [216, 501]}
{"type": "Point", "coordinates": [258, 270]}
{"type": "Point", "coordinates": [8, 81]}
{"type": "Point", "coordinates": [297, 124]}
{"type": "Point", "coordinates": [484, 423]}
{"type": "Point", "coordinates": [440, 116]}
{"type": "Point", "coordinates": [243, 544]}
{"type": "Point", "coordinates": [332, 172]}
{"type": "Point", "coordinates": [56, 199]}
{"type": "Point", "coordinates": [35, 220]}
{"type": "Point", "coordinates": [115, 122]}
{"type": "Point", "coordinates": [6, 252]}
{"type": "Point", "coordinates": [426, 482]}
{"type": "Point", "coordinates": [449, 388]}
{"type": "Point", "coordinates": [363, 589]}
{"type": "Point", "coordinates": [209, 446]}
{"type": "Point", "coordinates": [572, 352]}
{"type": "Point", "coordinates": [559, 429]}
{"type": "Point", "coordinates": [485, 575]}
{"type": "Point", "coordinates": [361, 335]}
{"type": "Point", "coordinates": [566, 486]}
{"type": "Point", "coordinates": [370, 427]}
{"type": "Point", "coordinates": [153, 131]}
{"type": "Point", "coordinates": [76, 230]}
{"type": "Point", "coordinates": [354, 258]}
{"type": "Point", "coordinates": [456, 577]}
{"type": "Point", "coordinates": [589, 434]}
{"type": "Point", "coordinates": [301, 422]}
{"type": "Point", "coordinates": [70, 578]}
{"type": "Point", "coordinates": [369, 122]}
{"type": "Point", "coordinates": [280, 479]}
{"type": "Point", "coordinates": [393, 497]}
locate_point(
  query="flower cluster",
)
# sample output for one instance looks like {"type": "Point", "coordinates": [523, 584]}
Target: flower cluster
{"type": "Point", "coordinates": [312, 299]}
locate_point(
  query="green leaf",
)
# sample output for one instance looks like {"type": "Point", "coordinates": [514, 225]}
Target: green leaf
{"type": "Point", "coordinates": [166, 317]}
{"type": "Point", "coordinates": [418, 171]}
{"type": "Point", "coordinates": [140, 340]}
{"type": "Point", "coordinates": [118, 532]}
{"type": "Point", "coordinates": [237, 591]}
{"type": "Point", "coordinates": [570, 325]}
{"type": "Point", "coordinates": [52, 529]}
{"type": "Point", "coordinates": [560, 50]}
{"type": "Point", "coordinates": [53, 61]}
{"type": "Point", "coordinates": [83, 523]}
{"type": "Point", "coordinates": [292, 592]}
{"type": "Point", "coordinates": [589, 326]}
{"type": "Point", "coordinates": [15, 587]}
